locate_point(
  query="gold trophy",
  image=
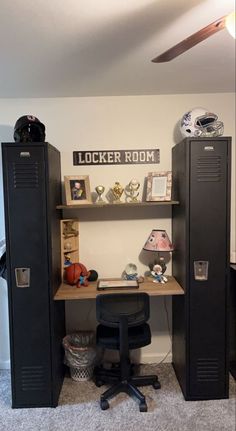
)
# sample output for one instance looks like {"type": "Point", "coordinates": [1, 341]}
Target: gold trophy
{"type": "Point", "coordinates": [117, 191]}
{"type": "Point", "coordinates": [100, 190]}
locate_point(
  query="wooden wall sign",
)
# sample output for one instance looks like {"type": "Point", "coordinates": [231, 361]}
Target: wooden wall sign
{"type": "Point", "coordinates": [116, 157]}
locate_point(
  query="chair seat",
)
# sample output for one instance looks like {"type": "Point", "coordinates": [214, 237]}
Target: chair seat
{"type": "Point", "coordinates": [138, 336]}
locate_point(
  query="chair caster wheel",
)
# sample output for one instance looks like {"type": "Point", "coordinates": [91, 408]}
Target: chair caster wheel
{"type": "Point", "coordinates": [143, 407]}
{"type": "Point", "coordinates": [98, 383]}
{"type": "Point", "coordinates": [104, 404]}
{"type": "Point", "coordinates": [156, 385]}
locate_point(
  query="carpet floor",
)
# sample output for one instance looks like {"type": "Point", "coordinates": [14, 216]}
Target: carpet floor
{"type": "Point", "coordinates": [79, 409]}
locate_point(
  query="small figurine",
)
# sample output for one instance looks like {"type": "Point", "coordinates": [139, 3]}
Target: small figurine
{"type": "Point", "coordinates": [77, 274]}
{"type": "Point", "coordinates": [69, 230]}
{"type": "Point", "coordinates": [117, 191]}
{"type": "Point", "coordinates": [67, 261]}
{"type": "Point", "coordinates": [67, 246]}
{"type": "Point", "coordinates": [162, 264]}
{"type": "Point", "coordinates": [132, 190]}
{"type": "Point", "coordinates": [158, 274]}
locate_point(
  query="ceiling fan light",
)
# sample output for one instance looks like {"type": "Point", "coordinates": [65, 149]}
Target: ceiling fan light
{"type": "Point", "coordinates": [230, 23]}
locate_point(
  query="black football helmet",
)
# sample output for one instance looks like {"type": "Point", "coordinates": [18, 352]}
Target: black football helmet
{"type": "Point", "coordinates": [29, 129]}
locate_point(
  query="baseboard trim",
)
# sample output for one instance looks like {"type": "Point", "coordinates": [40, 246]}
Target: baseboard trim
{"type": "Point", "coordinates": [155, 358]}
{"type": "Point", "coordinates": [139, 357]}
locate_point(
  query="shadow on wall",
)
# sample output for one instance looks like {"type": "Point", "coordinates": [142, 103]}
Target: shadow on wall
{"type": "Point", "coordinates": [177, 136]}
{"type": "Point", "coordinates": [6, 135]}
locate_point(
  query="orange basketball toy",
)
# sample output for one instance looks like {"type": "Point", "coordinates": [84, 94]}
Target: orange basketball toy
{"type": "Point", "coordinates": [77, 274]}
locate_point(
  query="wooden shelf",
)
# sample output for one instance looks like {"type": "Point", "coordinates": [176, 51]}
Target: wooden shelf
{"type": "Point", "coordinates": [67, 292]}
{"type": "Point", "coordinates": [69, 236]}
{"type": "Point", "coordinates": [122, 204]}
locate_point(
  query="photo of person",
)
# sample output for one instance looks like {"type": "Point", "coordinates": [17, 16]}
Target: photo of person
{"type": "Point", "coordinates": [77, 190]}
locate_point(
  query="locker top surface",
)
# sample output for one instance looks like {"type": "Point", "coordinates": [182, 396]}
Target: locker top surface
{"type": "Point", "coordinates": [209, 139]}
{"type": "Point", "coordinates": [29, 144]}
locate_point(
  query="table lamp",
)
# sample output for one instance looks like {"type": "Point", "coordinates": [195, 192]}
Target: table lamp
{"type": "Point", "coordinates": [158, 241]}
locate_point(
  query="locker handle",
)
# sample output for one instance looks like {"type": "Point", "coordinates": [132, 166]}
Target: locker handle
{"type": "Point", "coordinates": [201, 270]}
{"type": "Point", "coordinates": [22, 277]}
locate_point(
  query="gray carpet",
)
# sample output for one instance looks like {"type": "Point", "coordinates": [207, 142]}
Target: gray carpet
{"type": "Point", "coordinates": [79, 409]}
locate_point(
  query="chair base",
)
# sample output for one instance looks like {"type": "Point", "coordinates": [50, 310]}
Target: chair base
{"type": "Point", "coordinates": [111, 375]}
{"type": "Point", "coordinates": [128, 386]}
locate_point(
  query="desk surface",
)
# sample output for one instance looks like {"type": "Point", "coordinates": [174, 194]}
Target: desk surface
{"type": "Point", "coordinates": [67, 292]}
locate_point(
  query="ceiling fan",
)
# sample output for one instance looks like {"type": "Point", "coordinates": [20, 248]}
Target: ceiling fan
{"type": "Point", "coordinates": [227, 21]}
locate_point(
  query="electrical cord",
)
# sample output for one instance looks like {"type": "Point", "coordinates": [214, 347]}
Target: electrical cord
{"type": "Point", "coordinates": [169, 331]}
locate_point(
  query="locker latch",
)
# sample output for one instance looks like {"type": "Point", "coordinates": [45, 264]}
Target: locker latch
{"type": "Point", "coordinates": [201, 270]}
{"type": "Point", "coordinates": [22, 277]}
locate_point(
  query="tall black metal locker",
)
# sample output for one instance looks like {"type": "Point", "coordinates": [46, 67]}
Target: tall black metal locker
{"type": "Point", "coordinates": [201, 178]}
{"type": "Point", "coordinates": [32, 189]}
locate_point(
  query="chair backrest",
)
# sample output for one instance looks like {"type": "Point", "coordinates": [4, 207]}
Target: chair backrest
{"type": "Point", "coordinates": [112, 308]}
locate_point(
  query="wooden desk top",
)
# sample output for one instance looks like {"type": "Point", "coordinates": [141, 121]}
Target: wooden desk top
{"type": "Point", "coordinates": [67, 292]}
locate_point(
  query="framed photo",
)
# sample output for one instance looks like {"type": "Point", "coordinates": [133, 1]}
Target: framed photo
{"type": "Point", "coordinates": [159, 186]}
{"type": "Point", "coordinates": [107, 284]}
{"type": "Point", "coordinates": [77, 190]}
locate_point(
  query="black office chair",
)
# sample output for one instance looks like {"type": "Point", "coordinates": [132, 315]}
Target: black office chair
{"type": "Point", "coordinates": [123, 326]}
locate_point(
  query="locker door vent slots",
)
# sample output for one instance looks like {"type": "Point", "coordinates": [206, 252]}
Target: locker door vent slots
{"type": "Point", "coordinates": [25, 175]}
{"type": "Point", "coordinates": [207, 370]}
{"type": "Point", "coordinates": [33, 378]}
{"type": "Point", "coordinates": [208, 168]}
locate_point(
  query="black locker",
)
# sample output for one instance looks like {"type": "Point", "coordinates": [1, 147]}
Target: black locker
{"type": "Point", "coordinates": [201, 182]}
{"type": "Point", "coordinates": [232, 321]}
{"type": "Point", "coordinates": [32, 189]}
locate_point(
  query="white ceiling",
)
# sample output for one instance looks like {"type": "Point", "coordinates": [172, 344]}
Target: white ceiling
{"type": "Point", "coordinates": [53, 48]}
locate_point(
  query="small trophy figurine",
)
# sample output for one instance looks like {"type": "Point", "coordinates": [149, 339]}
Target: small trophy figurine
{"type": "Point", "coordinates": [117, 191]}
{"type": "Point", "coordinates": [132, 190]}
{"type": "Point", "coordinates": [100, 190]}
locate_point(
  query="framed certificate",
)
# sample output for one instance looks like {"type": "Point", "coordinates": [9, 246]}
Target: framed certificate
{"type": "Point", "coordinates": [159, 186]}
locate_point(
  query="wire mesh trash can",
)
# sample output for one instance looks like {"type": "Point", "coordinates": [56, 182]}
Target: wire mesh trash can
{"type": "Point", "coordinates": [80, 354]}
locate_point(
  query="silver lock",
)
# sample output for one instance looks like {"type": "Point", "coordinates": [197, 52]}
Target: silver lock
{"type": "Point", "coordinates": [22, 277]}
{"type": "Point", "coordinates": [201, 270]}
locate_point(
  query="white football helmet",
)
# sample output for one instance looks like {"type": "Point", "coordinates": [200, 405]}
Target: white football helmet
{"type": "Point", "coordinates": [199, 122]}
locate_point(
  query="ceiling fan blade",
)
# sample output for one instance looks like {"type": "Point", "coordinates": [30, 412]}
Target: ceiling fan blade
{"type": "Point", "coordinates": [191, 41]}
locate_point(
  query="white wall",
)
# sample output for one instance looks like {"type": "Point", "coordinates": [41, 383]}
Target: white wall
{"type": "Point", "coordinates": [109, 239]}
{"type": "Point", "coordinates": [4, 328]}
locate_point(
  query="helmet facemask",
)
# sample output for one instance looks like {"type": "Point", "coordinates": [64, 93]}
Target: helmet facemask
{"type": "Point", "coordinates": [30, 133]}
{"type": "Point", "coordinates": [209, 126]}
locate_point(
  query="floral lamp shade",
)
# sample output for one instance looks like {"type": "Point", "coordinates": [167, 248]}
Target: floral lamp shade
{"type": "Point", "coordinates": [158, 240]}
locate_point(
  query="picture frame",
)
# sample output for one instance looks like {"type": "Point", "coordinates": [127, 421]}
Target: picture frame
{"type": "Point", "coordinates": [117, 283]}
{"type": "Point", "coordinates": [159, 185]}
{"type": "Point", "coordinates": [77, 190]}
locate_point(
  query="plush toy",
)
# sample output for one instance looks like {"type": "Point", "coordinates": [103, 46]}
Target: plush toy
{"type": "Point", "coordinates": [157, 274]}
{"type": "Point", "coordinates": [77, 274]}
